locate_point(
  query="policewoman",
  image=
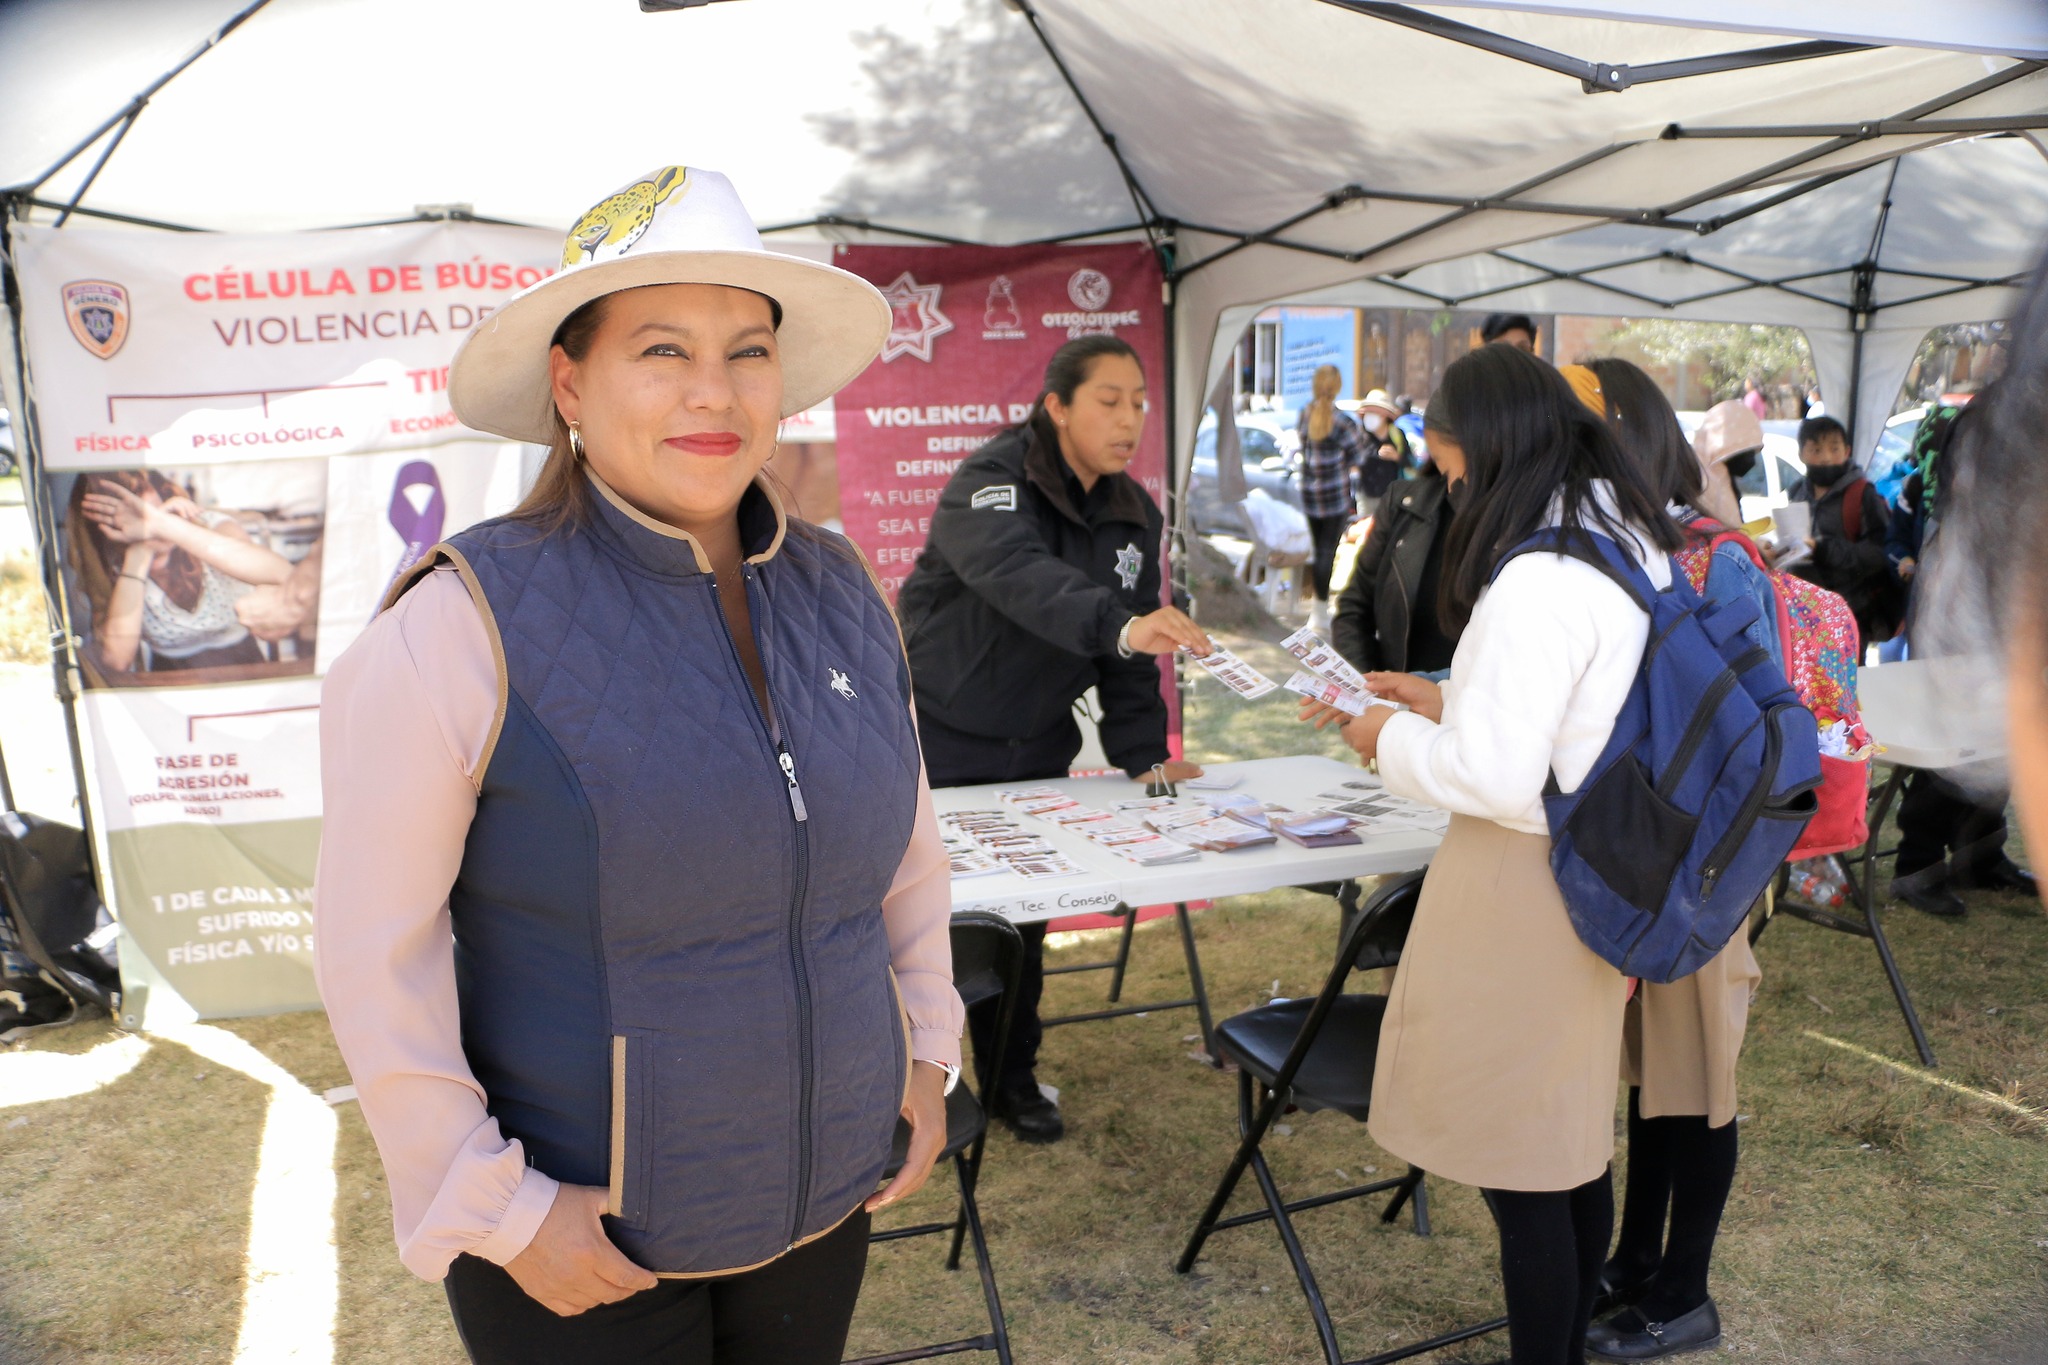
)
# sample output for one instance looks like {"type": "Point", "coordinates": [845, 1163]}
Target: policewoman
{"type": "Point", "coordinates": [1041, 579]}
{"type": "Point", "coordinates": [633, 907]}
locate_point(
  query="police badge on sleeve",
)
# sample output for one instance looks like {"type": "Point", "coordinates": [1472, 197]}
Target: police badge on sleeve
{"type": "Point", "coordinates": [98, 313]}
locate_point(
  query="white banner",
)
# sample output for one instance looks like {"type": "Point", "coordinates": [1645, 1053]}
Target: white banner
{"type": "Point", "coordinates": [246, 439]}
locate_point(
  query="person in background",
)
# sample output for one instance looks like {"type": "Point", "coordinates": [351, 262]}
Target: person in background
{"type": "Point", "coordinates": [1680, 1040]}
{"type": "Point", "coordinates": [1990, 581]}
{"type": "Point", "coordinates": [1753, 399]}
{"type": "Point", "coordinates": [1387, 616]}
{"type": "Point", "coordinates": [1386, 445]}
{"type": "Point", "coordinates": [1814, 407]}
{"type": "Point", "coordinates": [1727, 443]}
{"type": "Point", "coordinates": [1333, 452]}
{"type": "Point", "coordinates": [1949, 839]}
{"type": "Point", "coordinates": [1514, 329]}
{"type": "Point", "coordinates": [1848, 536]}
{"type": "Point", "coordinates": [1041, 579]}
{"type": "Point", "coordinates": [1496, 1063]}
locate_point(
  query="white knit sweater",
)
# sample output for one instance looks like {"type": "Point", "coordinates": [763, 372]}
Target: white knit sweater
{"type": "Point", "coordinates": [1539, 675]}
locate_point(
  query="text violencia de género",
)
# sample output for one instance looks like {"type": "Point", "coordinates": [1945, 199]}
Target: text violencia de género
{"type": "Point", "coordinates": [228, 284]}
{"type": "Point", "coordinates": [949, 415]}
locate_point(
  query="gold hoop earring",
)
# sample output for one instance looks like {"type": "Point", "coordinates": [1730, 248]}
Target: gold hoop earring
{"type": "Point", "coordinates": [576, 441]}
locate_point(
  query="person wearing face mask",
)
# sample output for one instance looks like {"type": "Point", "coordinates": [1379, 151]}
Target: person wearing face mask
{"type": "Point", "coordinates": [1386, 446]}
{"type": "Point", "coordinates": [1727, 441]}
{"type": "Point", "coordinates": [1850, 520]}
{"type": "Point", "coordinates": [1041, 579]}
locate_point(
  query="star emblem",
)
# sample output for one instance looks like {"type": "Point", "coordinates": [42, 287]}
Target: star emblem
{"type": "Point", "coordinates": [1128, 562]}
{"type": "Point", "coordinates": [914, 318]}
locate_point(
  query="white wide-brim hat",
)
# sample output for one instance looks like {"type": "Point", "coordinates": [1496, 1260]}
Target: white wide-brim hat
{"type": "Point", "coordinates": [675, 225]}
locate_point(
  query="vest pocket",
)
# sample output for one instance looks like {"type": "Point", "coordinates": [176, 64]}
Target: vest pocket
{"type": "Point", "coordinates": [632, 1103]}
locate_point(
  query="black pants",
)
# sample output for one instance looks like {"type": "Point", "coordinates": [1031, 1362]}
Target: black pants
{"type": "Point", "coordinates": [1327, 533]}
{"type": "Point", "coordinates": [955, 759]}
{"type": "Point", "coordinates": [792, 1311]}
{"type": "Point", "coordinates": [1552, 1245]}
{"type": "Point", "coordinates": [1679, 1166]}
{"type": "Point", "coordinates": [1936, 818]}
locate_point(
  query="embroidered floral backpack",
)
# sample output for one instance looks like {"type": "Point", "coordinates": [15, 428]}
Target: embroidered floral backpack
{"type": "Point", "coordinates": [1817, 642]}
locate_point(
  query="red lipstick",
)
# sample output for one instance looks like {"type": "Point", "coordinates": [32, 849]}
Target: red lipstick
{"type": "Point", "coordinates": [713, 443]}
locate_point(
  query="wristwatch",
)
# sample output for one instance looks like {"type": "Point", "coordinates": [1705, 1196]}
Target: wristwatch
{"type": "Point", "coordinates": [952, 1073]}
{"type": "Point", "coordinates": [1123, 639]}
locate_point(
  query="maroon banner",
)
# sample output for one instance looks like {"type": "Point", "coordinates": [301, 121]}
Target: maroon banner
{"type": "Point", "coordinates": [973, 328]}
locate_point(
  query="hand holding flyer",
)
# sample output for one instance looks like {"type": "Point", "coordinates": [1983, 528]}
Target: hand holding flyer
{"type": "Point", "coordinates": [1235, 674]}
{"type": "Point", "coordinates": [1321, 658]}
{"type": "Point", "coordinates": [1328, 693]}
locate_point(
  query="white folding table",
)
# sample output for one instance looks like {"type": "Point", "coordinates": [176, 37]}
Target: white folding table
{"type": "Point", "coordinates": [1112, 885]}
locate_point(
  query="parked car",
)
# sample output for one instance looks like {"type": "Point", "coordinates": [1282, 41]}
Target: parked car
{"type": "Point", "coordinates": [1268, 447]}
{"type": "Point", "coordinates": [1887, 467]}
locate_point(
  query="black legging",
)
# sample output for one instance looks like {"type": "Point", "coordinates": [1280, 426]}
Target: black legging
{"type": "Point", "coordinates": [1552, 1243]}
{"type": "Point", "coordinates": [1326, 533]}
{"type": "Point", "coordinates": [793, 1311]}
{"type": "Point", "coordinates": [1675, 1163]}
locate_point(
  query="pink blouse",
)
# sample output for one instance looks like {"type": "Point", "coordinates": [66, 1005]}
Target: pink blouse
{"type": "Point", "coordinates": [406, 712]}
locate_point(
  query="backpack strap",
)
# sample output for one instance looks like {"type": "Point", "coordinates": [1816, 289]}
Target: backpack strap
{"type": "Point", "coordinates": [1852, 509]}
{"type": "Point", "coordinates": [1591, 547]}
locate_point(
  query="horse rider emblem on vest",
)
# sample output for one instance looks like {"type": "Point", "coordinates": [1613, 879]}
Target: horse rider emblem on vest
{"type": "Point", "coordinates": [843, 687]}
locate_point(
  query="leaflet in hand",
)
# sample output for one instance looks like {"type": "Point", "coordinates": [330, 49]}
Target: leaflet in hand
{"type": "Point", "coordinates": [1235, 674]}
{"type": "Point", "coordinates": [1328, 693]}
{"type": "Point", "coordinates": [1321, 658]}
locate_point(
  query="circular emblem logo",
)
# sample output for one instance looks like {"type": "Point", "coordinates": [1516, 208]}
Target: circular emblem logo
{"type": "Point", "coordinates": [1089, 289]}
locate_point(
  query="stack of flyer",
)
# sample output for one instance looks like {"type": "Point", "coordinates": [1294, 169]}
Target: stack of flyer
{"type": "Point", "coordinates": [984, 841]}
{"type": "Point", "coordinates": [1380, 810]}
{"type": "Point", "coordinates": [1106, 829]}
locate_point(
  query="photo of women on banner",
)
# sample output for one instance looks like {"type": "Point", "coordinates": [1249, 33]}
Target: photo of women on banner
{"type": "Point", "coordinates": [196, 575]}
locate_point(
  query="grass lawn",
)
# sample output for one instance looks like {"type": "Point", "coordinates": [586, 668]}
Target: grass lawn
{"type": "Point", "coordinates": [1877, 1215]}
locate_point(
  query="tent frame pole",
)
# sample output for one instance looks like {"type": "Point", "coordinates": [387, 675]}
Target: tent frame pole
{"type": "Point", "coordinates": [1141, 201]}
{"type": "Point", "coordinates": [67, 675]}
{"type": "Point", "coordinates": [128, 112]}
{"type": "Point", "coordinates": [1593, 77]}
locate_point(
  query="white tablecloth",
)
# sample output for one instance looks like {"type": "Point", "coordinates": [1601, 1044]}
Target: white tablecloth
{"type": "Point", "coordinates": [1111, 880]}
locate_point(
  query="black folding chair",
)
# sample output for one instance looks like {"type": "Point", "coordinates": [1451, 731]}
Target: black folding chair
{"type": "Point", "coordinates": [987, 955]}
{"type": "Point", "coordinates": [1860, 866]}
{"type": "Point", "coordinates": [1319, 1054]}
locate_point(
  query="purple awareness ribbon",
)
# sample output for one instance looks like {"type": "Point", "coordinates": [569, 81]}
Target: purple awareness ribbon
{"type": "Point", "coordinates": [419, 529]}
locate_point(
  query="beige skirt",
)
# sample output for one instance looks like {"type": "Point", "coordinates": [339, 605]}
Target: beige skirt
{"type": "Point", "coordinates": [1496, 1063]}
{"type": "Point", "coordinates": [1680, 1042]}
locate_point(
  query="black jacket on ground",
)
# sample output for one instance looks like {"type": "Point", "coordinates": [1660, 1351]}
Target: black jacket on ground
{"type": "Point", "coordinates": [1376, 610]}
{"type": "Point", "coordinates": [1858, 568]}
{"type": "Point", "coordinates": [1012, 611]}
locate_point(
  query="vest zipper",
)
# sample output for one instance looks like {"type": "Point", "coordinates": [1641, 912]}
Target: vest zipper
{"type": "Point", "coordinates": [801, 861]}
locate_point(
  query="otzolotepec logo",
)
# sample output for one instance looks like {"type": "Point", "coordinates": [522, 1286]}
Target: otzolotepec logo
{"type": "Point", "coordinates": [1089, 289]}
{"type": "Point", "coordinates": [98, 313]}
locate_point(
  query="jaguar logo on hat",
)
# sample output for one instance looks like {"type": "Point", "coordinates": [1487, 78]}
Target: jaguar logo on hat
{"type": "Point", "coordinates": [98, 313]}
{"type": "Point", "coordinates": [673, 225]}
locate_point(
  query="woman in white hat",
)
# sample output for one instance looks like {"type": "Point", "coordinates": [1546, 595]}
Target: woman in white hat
{"type": "Point", "coordinates": [633, 909]}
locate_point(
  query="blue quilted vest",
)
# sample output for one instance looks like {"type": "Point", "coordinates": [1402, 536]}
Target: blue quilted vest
{"type": "Point", "coordinates": [669, 949]}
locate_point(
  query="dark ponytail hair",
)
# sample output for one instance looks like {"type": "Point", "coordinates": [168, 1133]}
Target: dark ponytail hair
{"type": "Point", "coordinates": [1642, 420]}
{"type": "Point", "coordinates": [1066, 372]}
{"type": "Point", "coordinates": [1529, 442]}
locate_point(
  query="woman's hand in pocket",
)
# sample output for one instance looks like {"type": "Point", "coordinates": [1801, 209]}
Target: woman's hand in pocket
{"type": "Point", "coordinates": [925, 1110]}
{"type": "Point", "coordinates": [571, 1265]}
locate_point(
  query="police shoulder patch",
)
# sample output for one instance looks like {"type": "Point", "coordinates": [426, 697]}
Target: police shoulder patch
{"type": "Point", "coordinates": [1002, 497]}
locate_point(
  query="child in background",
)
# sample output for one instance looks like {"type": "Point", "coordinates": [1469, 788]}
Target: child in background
{"type": "Point", "coordinates": [1849, 524]}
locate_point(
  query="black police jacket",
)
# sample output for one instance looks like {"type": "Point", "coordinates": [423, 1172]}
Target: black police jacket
{"type": "Point", "coordinates": [1012, 611]}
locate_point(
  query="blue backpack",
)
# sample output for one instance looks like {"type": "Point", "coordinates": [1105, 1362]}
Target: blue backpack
{"type": "Point", "coordinates": [1705, 785]}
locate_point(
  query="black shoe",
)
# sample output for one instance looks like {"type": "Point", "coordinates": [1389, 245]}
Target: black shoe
{"type": "Point", "coordinates": [1928, 891]}
{"type": "Point", "coordinates": [2003, 875]}
{"type": "Point", "coordinates": [1031, 1116]}
{"type": "Point", "coordinates": [1628, 1335]}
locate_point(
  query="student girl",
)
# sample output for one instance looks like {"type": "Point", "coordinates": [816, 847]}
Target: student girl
{"type": "Point", "coordinates": [1681, 1039]}
{"type": "Point", "coordinates": [1496, 1064]}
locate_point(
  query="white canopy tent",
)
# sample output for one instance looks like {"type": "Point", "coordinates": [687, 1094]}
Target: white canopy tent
{"type": "Point", "coordinates": [1269, 150]}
